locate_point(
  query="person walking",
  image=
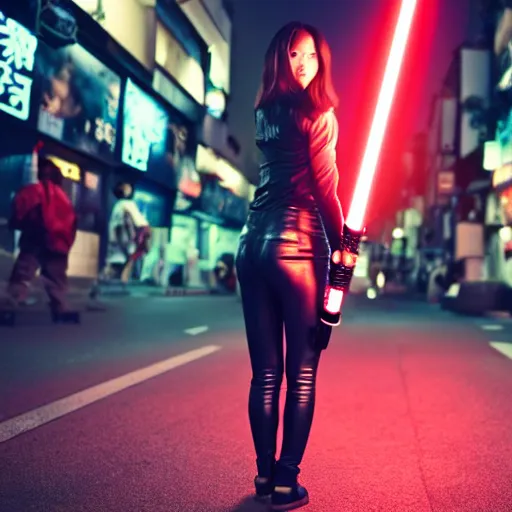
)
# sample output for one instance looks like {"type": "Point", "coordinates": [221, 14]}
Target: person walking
{"type": "Point", "coordinates": [45, 216]}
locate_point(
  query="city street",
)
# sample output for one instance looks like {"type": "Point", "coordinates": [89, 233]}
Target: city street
{"type": "Point", "coordinates": [413, 411]}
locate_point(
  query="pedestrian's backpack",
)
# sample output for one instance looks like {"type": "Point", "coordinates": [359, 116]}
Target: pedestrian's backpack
{"type": "Point", "coordinates": [47, 206]}
{"type": "Point", "coordinates": [59, 218]}
{"type": "Point", "coordinates": [26, 209]}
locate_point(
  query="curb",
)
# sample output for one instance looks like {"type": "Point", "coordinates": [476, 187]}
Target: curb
{"type": "Point", "coordinates": [182, 292]}
{"type": "Point", "coordinates": [168, 292]}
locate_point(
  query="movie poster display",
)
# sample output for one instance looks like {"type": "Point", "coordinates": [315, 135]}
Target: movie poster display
{"type": "Point", "coordinates": [78, 98]}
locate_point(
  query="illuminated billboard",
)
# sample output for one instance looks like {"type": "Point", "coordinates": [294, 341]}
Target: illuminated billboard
{"type": "Point", "coordinates": [78, 99]}
{"type": "Point", "coordinates": [144, 129]}
{"type": "Point", "coordinates": [17, 51]}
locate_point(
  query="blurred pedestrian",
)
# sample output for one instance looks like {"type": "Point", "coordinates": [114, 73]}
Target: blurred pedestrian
{"type": "Point", "coordinates": [46, 218]}
{"type": "Point", "coordinates": [295, 221]}
{"type": "Point", "coordinates": [129, 233]}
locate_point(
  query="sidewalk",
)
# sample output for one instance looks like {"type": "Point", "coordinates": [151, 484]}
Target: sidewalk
{"type": "Point", "coordinates": [80, 288]}
{"type": "Point", "coordinates": [138, 290]}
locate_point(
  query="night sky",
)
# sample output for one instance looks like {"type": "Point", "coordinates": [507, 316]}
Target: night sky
{"type": "Point", "coordinates": [359, 33]}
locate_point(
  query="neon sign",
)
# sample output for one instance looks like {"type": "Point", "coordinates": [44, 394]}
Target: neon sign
{"type": "Point", "coordinates": [145, 127]}
{"type": "Point", "coordinates": [17, 50]}
{"type": "Point", "coordinates": [68, 170]}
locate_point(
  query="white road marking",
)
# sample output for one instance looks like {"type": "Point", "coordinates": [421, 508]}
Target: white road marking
{"type": "Point", "coordinates": [504, 348]}
{"type": "Point", "coordinates": [492, 327]}
{"type": "Point", "coordinates": [30, 420]}
{"type": "Point", "coordinates": [194, 331]}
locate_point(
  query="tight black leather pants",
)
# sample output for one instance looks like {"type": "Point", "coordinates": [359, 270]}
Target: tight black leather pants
{"type": "Point", "coordinates": [282, 266]}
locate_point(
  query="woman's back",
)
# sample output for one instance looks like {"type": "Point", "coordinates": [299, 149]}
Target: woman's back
{"type": "Point", "coordinates": [298, 168]}
{"type": "Point", "coordinates": [285, 174]}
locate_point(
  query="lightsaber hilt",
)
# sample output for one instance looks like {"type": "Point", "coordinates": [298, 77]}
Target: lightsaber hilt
{"type": "Point", "coordinates": [340, 276]}
{"type": "Point", "coordinates": [341, 273]}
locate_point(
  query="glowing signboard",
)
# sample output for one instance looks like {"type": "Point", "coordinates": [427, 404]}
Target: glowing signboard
{"type": "Point", "coordinates": [79, 99]}
{"type": "Point", "coordinates": [17, 50]}
{"type": "Point", "coordinates": [144, 129]}
{"type": "Point", "coordinates": [68, 170]}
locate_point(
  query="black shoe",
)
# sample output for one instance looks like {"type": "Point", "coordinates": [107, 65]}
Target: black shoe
{"type": "Point", "coordinates": [264, 488]}
{"type": "Point", "coordinates": [289, 498]}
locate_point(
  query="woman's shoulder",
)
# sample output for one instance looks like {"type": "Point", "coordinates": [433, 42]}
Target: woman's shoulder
{"type": "Point", "coordinates": [328, 115]}
{"type": "Point", "coordinates": [321, 119]}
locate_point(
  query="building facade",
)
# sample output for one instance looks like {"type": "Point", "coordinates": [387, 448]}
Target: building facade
{"type": "Point", "coordinates": [458, 186]}
{"type": "Point", "coordinates": [127, 91]}
{"type": "Point", "coordinates": [498, 154]}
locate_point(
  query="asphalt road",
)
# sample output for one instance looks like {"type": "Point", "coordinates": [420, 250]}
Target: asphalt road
{"type": "Point", "coordinates": [144, 408]}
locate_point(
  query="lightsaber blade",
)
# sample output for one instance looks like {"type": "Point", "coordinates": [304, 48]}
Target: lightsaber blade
{"type": "Point", "coordinates": [342, 271]}
{"type": "Point", "coordinates": [380, 118]}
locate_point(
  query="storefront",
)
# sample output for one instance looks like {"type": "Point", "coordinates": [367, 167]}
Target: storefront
{"type": "Point", "coordinates": [181, 255]}
{"type": "Point", "coordinates": [70, 104]}
{"type": "Point", "coordinates": [499, 226]}
{"type": "Point", "coordinates": [208, 229]}
{"type": "Point", "coordinates": [219, 241]}
{"type": "Point", "coordinates": [224, 207]}
{"type": "Point", "coordinates": [83, 182]}
{"type": "Point", "coordinates": [227, 214]}
{"type": "Point", "coordinates": [179, 77]}
{"type": "Point", "coordinates": [497, 158]}
{"type": "Point", "coordinates": [182, 263]}
{"type": "Point", "coordinates": [98, 127]}
{"type": "Point", "coordinates": [148, 161]}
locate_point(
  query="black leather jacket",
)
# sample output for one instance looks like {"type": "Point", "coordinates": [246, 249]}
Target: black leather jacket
{"type": "Point", "coordinates": [299, 166]}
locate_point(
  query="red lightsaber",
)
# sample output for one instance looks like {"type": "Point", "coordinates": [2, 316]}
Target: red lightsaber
{"type": "Point", "coordinates": [342, 266]}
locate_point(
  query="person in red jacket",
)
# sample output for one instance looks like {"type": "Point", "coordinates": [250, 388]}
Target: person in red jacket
{"type": "Point", "coordinates": [46, 218]}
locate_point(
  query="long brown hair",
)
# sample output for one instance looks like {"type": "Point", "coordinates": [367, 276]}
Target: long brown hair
{"type": "Point", "coordinates": [278, 82]}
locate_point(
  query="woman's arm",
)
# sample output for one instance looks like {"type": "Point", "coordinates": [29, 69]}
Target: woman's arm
{"type": "Point", "coordinates": [323, 136]}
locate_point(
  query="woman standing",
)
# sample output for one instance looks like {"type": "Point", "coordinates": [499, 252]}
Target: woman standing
{"type": "Point", "coordinates": [295, 222]}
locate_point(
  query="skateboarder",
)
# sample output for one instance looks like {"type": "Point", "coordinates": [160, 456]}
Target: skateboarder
{"type": "Point", "coordinates": [46, 218]}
